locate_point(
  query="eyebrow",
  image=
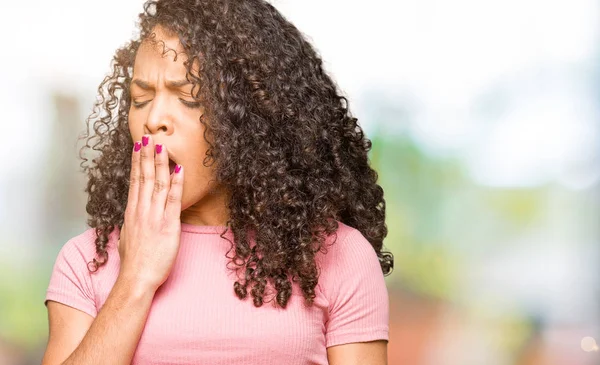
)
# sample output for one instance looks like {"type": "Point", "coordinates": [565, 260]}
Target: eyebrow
{"type": "Point", "coordinates": [172, 84]}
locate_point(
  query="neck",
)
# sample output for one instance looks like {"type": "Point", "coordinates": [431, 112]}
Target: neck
{"type": "Point", "coordinates": [211, 210]}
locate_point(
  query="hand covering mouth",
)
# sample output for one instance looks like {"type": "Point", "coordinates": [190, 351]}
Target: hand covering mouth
{"type": "Point", "coordinates": [172, 163]}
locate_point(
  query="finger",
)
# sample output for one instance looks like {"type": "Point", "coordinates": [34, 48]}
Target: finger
{"type": "Point", "coordinates": [121, 234]}
{"type": "Point", "coordinates": [146, 176]}
{"type": "Point", "coordinates": [134, 177]}
{"type": "Point", "coordinates": [173, 204]}
{"type": "Point", "coordinates": [162, 181]}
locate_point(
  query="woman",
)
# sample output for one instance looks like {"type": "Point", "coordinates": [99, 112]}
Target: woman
{"type": "Point", "coordinates": [234, 216]}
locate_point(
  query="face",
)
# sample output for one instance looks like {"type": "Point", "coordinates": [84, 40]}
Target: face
{"type": "Point", "coordinates": [162, 107]}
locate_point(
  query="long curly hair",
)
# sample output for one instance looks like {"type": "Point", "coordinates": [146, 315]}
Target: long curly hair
{"type": "Point", "coordinates": [282, 139]}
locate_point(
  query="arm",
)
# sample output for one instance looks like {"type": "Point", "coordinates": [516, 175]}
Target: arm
{"type": "Point", "coordinates": [147, 249]}
{"type": "Point", "coordinates": [115, 331]}
{"type": "Point", "coordinates": [358, 353]}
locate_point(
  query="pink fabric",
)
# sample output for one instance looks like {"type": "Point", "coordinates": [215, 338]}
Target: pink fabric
{"type": "Point", "coordinates": [196, 318]}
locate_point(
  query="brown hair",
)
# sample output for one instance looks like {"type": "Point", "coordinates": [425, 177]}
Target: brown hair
{"type": "Point", "coordinates": [283, 140]}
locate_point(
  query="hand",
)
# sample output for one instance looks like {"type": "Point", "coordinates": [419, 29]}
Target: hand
{"type": "Point", "coordinates": [149, 239]}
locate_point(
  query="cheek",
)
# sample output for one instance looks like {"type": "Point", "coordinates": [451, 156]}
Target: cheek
{"type": "Point", "coordinates": [135, 124]}
{"type": "Point", "coordinates": [199, 180]}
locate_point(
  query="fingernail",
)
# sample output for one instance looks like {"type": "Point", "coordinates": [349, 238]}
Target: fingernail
{"type": "Point", "coordinates": [137, 146]}
{"type": "Point", "coordinates": [177, 169]}
{"type": "Point", "coordinates": [145, 140]}
{"type": "Point", "coordinates": [158, 148]}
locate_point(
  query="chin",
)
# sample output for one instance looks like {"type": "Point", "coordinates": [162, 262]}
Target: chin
{"type": "Point", "coordinates": [186, 203]}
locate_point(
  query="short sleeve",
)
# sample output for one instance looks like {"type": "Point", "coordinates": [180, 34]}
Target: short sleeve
{"type": "Point", "coordinates": [357, 293]}
{"type": "Point", "coordinates": [70, 281]}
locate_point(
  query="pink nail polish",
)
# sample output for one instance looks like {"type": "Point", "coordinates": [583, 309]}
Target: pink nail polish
{"type": "Point", "coordinates": [177, 169]}
{"type": "Point", "coordinates": [158, 148]}
{"type": "Point", "coordinates": [137, 146]}
{"type": "Point", "coordinates": [145, 140]}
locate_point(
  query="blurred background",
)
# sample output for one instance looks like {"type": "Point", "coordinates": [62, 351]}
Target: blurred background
{"type": "Point", "coordinates": [484, 116]}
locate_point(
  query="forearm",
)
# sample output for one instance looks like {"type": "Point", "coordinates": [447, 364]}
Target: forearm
{"type": "Point", "coordinates": [118, 326]}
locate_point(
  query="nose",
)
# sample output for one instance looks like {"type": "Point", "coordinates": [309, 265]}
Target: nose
{"type": "Point", "coordinates": [159, 119]}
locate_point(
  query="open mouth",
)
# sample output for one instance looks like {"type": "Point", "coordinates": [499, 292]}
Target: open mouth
{"type": "Point", "coordinates": [171, 166]}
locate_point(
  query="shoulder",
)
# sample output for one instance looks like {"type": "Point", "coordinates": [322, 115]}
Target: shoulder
{"type": "Point", "coordinates": [347, 257]}
{"type": "Point", "coordinates": [83, 246]}
{"type": "Point", "coordinates": [352, 282]}
{"type": "Point", "coordinates": [348, 246]}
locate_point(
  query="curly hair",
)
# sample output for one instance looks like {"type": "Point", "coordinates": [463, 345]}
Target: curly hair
{"type": "Point", "coordinates": [283, 141]}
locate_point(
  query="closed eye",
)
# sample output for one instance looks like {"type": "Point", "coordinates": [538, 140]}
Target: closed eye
{"type": "Point", "coordinates": [190, 104]}
{"type": "Point", "coordinates": [139, 105]}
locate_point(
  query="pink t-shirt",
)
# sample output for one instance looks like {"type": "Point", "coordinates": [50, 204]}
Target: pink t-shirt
{"type": "Point", "coordinates": [196, 318]}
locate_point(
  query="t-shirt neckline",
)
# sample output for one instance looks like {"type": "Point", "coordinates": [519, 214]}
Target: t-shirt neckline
{"type": "Point", "coordinates": [188, 227]}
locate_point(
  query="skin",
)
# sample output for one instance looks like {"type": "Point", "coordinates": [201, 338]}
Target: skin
{"type": "Point", "coordinates": [358, 353]}
{"type": "Point", "coordinates": [159, 112]}
{"type": "Point", "coordinates": [169, 114]}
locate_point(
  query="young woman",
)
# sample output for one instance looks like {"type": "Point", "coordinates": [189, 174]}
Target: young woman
{"type": "Point", "coordinates": [234, 217]}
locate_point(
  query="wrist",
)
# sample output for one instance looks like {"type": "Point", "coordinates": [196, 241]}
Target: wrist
{"type": "Point", "coordinates": [136, 286]}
